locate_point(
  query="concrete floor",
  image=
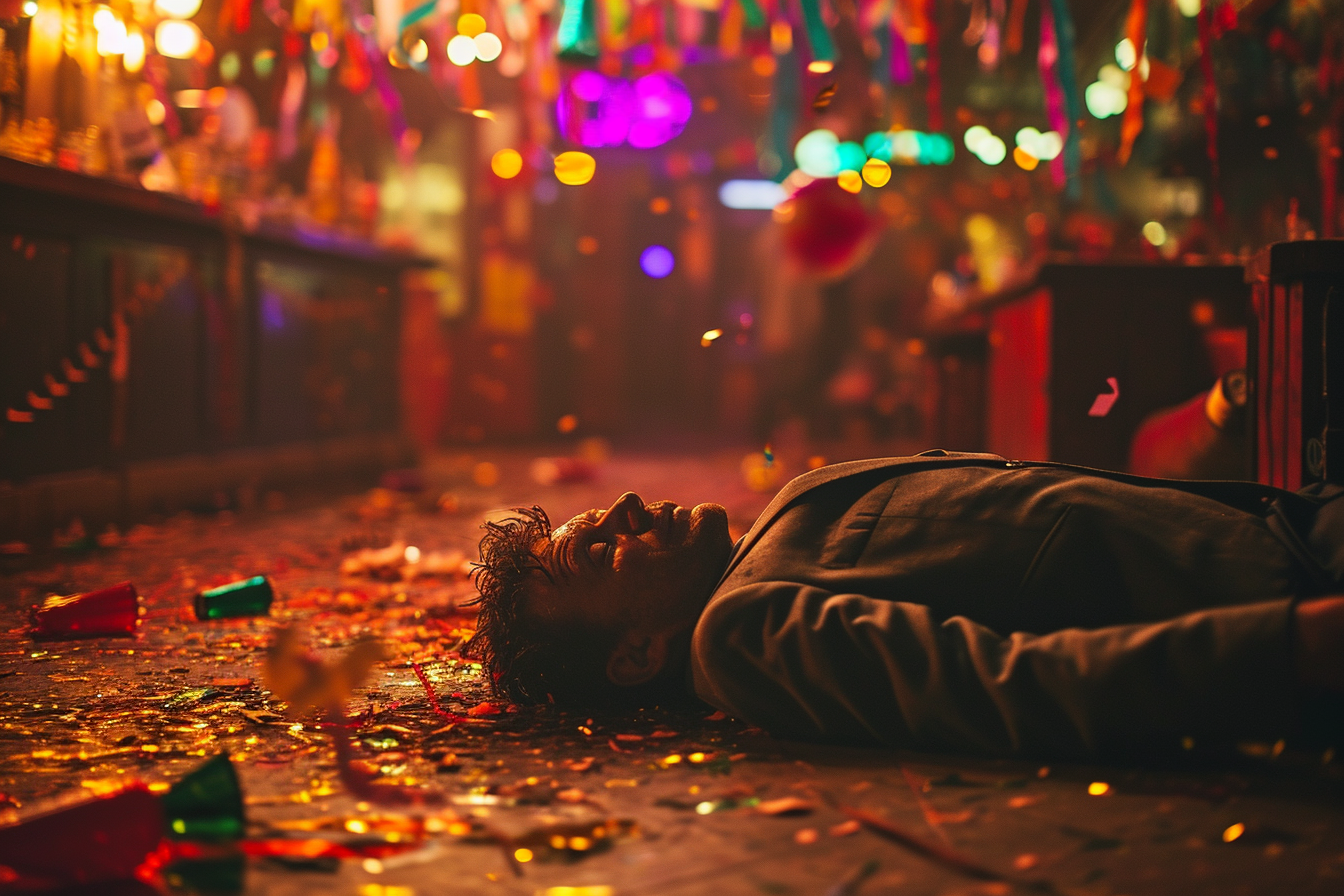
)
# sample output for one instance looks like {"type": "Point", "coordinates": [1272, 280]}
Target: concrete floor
{"type": "Point", "coordinates": [80, 712]}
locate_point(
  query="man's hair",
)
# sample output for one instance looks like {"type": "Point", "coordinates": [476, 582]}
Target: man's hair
{"type": "Point", "coordinates": [527, 660]}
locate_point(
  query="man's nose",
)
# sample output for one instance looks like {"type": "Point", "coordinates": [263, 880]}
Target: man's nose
{"type": "Point", "coordinates": [623, 515]}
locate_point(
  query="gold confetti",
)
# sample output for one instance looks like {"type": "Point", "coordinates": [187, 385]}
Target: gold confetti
{"type": "Point", "coordinates": [823, 97]}
{"type": "Point", "coordinates": [1233, 832]}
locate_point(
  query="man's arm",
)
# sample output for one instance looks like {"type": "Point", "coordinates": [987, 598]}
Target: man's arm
{"type": "Point", "coordinates": [802, 662]}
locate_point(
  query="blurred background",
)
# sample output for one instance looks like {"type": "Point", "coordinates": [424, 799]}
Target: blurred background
{"type": "Point", "coordinates": [244, 244]}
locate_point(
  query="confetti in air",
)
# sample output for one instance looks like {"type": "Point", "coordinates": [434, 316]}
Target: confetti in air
{"type": "Point", "coordinates": [1102, 404]}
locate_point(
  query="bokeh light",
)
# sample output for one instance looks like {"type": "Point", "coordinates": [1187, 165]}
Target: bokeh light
{"type": "Point", "coordinates": [470, 24]}
{"type": "Point", "coordinates": [419, 52]}
{"type": "Point", "coordinates": [1155, 233]}
{"type": "Point", "coordinates": [818, 153]}
{"type": "Point", "coordinates": [1125, 57]}
{"type": "Point", "coordinates": [662, 109]}
{"type": "Point", "coordinates": [230, 66]}
{"type": "Point", "coordinates": [507, 163]}
{"type": "Point", "coordinates": [488, 46]}
{"type": "Point", "coordinates": [176, 39]}
{"type": "Point", "coordinates": [851, 156]}
{"type": "Point", "coordinates": [850, 181]}
{"type": "Point", "coordinates": [597, 110]}
{"type": "Point", "coordinates": [657, 261]}
{"type": "Point", "coordinates": [574, 168]}
{"type": "Point", "coordinates": [755, 194]}
{"type": "Point", "coordinates": [876, 173]}
{"type": "Point", "coordinates": [177, 9]}
{"type": "Point", "coordinates": [1025, 160]}
{"type": "Point", "coordinates": [134, 58]}
{"type": "Point", "coordinates": [461, 50]}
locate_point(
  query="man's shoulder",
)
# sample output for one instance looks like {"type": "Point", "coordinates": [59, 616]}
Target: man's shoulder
{"type": "Point", "coordinates": [933, 458]}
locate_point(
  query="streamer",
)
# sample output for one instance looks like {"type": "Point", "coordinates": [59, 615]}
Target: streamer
{"type": "Point", "coordinates": [1136, 29]}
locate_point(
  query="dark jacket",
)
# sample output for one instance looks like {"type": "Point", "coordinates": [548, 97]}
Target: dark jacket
{"type": "Point", "coordinates": [965, 602]}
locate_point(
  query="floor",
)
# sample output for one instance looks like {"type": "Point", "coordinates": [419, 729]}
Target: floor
{"type": "Point", "coordinates": [469, 797]}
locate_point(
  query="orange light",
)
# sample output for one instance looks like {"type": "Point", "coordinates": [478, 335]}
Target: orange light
{"type": "Point", "coordinates": [1098, 788]}
{"type": "Point", "coordinates": [470, 24]}
{"type": "Point", "coordinates": [850, 181]}
{"type": "Point", "coordinates": [507, 163]}
{"type": "Point", "coordinates": [575, 168]}
{"type": "Point", "coordinates": [1025, 160]}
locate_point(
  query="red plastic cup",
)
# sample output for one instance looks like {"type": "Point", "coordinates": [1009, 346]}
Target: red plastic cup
{"type": "Point", "coordinates": [109, 611]}
{"type": "Point", "coordinates": [101, 839]}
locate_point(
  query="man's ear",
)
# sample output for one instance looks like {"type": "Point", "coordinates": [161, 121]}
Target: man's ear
{"type": "Point", "coordinates": [637, 659]}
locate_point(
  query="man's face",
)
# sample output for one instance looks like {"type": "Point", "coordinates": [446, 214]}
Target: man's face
{"type": "Point", "coordinates": [633, 566]}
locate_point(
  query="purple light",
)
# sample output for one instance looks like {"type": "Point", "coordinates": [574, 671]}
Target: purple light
{"type": "Point", "coordinates": [594, 110]}
{"type": "Point", "coordinates": [588, 86]}
{"type": "Point", "coordinates": [662, 108]}
{"type": "Point", "coordinates": [657, 261]}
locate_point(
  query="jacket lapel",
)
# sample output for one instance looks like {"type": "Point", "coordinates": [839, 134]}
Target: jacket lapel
{"type": "Point", "coordinates": [821, 476]}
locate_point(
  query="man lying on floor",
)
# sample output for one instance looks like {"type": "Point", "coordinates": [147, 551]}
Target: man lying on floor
{"type": "Point", "coordinates": [939, 602]}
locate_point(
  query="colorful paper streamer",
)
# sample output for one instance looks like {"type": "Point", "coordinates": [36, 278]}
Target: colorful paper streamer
{"type": "Point", "coordinates": [1068, 83]}
{"type": "Point", "coordinates": [1136, 29]}
{"type": "Point", "coordinates": [818, 37]}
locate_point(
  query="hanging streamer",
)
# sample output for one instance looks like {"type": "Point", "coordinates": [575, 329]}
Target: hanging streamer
{"type": "Point", "coordinates": [753, 15]}
{"type": "Point", "coordinates": [1047, 59]}
{"type": "Point", "coordinates": [615, 25]}
{"type": "Point", "coordinates": [1210, 104]}
{"type": "Point", "coordinates": [379, 65]}
{"type": "Point", "coordinates": [1068, 83]}
{"type": "Point", "coordinates": [784, 103]}
{"type": "Point", "coordinates": [818, 38]}
{"type": "Point", "coordinates": [901, 70]}
{"type": "Point", "coordinates": [991, 47]}
{"type": "Point", "coordinates": [1136, 29]}
{"type": "Point", "coordinates": [1017, 15]}
{"type": "Point", "coordinates": [934, 91]}
{"type": "Point", "coordinates": [576, 36]}
{"type": "Point", "coordinates": [730, 30]}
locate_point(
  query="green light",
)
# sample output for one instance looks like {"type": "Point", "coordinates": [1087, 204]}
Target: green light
{"type": "Point", "coordinates": [229, 67]}
{"type": "Point", "coordinates": [878, 145]}
{"type": "Point", "coordinates": [818, 153]}
{"type": "Point", "coordinates": [851, 156]}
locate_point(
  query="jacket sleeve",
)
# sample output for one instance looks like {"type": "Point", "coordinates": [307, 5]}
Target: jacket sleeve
{"type": "Point", "coordinates": [802, 662]}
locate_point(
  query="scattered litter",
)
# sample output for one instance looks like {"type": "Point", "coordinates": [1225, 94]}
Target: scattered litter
{"type": "Point", "coordinates": [249, 597]}
{"type": "Point", "coordinates": [108, 611]}
{"type": "Point", "coordinates": [787, 805]}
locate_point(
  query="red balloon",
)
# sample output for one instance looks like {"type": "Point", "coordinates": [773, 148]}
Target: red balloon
{"type": "Point", "coordinates": [829, 230]}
